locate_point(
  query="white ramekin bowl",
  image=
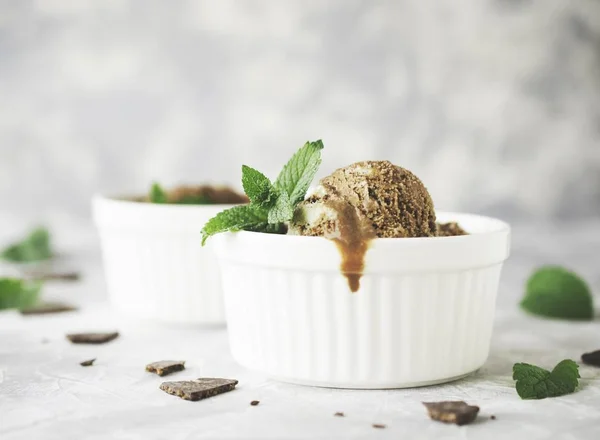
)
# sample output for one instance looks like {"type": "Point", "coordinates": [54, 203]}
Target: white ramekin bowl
{"type": "Point", "coordinates": [423, 315]}
{"type": "Point", "coordinates": [154, 263]}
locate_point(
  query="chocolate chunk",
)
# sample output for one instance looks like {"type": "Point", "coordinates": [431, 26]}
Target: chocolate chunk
{"type": "Point", "coordinates": [163, 368]}
{"type": "Point", "coordinates": [255, 402]}
{"type": "Point", "coordinates": [592, 358]}
{"type": "Point", "coordinates": [199, 389]}
{"type": "Point", "coordinates": [56, 276]}
{"type": "Point", "coordinates": [87, 363]}
{"type": "Point", "coordinates": [47, 308]}
{"type": "Point", "coordinates": [92, 338]}
{"type": "Point", "coordinates": [379, 426]}
{"type": "Point", "coordinates": [457, 412]}
{"type": "Point", "coordinates": [340, 414]}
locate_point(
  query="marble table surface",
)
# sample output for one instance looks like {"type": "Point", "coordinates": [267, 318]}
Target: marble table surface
{"type": "Point", "coordinates": [46, 394]}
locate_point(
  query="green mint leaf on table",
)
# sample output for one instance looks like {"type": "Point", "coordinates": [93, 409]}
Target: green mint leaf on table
{"type": "Point", "coordinates": [18, 294]}
{"type": "Point", "coordinates": [537, 383]}
{"type": "Point", "coordinates": [247, 217]}
{"type": "Point", "coordinates": [271, 205]}
{"type": "Point", "coordinates": [555, 292]}
{"type": "Point", "coordinates": [35, 247]}
{"type": "Point", "coordinates": [298, 173]}
{"type": "Point", "coordinates": [258, 187]}
{"type": "Point", "coordinates": [157, 194]}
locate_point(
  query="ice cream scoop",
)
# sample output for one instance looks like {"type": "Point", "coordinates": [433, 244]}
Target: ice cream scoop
{"type": "Point", "coordinates": [363, 201]}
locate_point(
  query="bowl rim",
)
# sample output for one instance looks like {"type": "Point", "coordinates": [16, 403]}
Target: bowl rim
{"type": "Point", "coordinates": [121, 201]}
{"type": "Point", "coordinates": [501, 227]}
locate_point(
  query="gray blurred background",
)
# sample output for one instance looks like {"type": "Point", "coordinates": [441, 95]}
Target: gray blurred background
{"type": "Point", "coordinates": [495, 104]}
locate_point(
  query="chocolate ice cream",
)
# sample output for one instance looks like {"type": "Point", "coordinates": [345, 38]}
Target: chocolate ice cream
{"type": "Point", "coordinates": [450, 229]}
{"type": "Point", "coordinates": [363, 201]}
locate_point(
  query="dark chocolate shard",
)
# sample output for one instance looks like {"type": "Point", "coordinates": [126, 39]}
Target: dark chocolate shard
{"type": "Point", "coordinates": [592, 358]}
{"type": "Point", "coordinates": [199, 389]}
{"type": "Point", "coordinates": [163, 368]}
{"type": "Point", "coordinates": [379, 426]}
{"type": "Point", "coordinates": [457, 412]}
{"type": "Point", "coordinates": [340, 414]}
{"type": "Point", "coordinates": [87, 363]}
{"type": "Point", "coordinates": [48, 308]}
{"type": "Point", "coordinates": [56, 276]}
{"type": "Point", "coordinates": [255, 402]}
{"type": "Point", "coordinates": [92, 338]}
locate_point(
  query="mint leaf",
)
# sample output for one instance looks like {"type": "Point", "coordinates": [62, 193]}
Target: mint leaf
{"type": "Point", "coordinates": [157, 194]}
{"type": "Point", "coordinates": [247, 217]}
{"type": "Point", "coordinates": [282, 211]}
{"type": "Point", "coordinates": [258, 187]}
{"type": "Point", "coordinates": [555, 292]}
{"type": "Point", "coordinates": [35, 247]}
{"type": "Point", "coordinates": [537, 383]}
{"type": "Point", "coordinates": [298, 173]}
{"type": "Point", "coordinates": [19, 294]}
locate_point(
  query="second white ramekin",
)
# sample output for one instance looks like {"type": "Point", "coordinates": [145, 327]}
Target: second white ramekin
{"type": "Point", "coordinates": [154, 263]}
{"type": "Point", "coordinates": [423, 315]}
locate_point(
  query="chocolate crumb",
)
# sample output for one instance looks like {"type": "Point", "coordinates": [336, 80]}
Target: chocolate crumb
{"type": "Point", "coordinates": [340, 414]}
{"type": "Point", "coordinates": [87, 363]}
{"type": "Point", "coordinates": [255, 402]}
{"type": "Point", "coordinates": [450, 229]}
{"type": "Point", "coordinates": [92, 338]}
{"type": "Point", "coordinates": [47, 308]}
{"type": "Point", "coordinates": [457, 412]}
{"type": "Point", "coordinates": [379, 426]}
{"type": "Point", "coordinates": [199, 389]}
{"type": "Point", "coordinates": [592, 358]}
{"type": "Point", "coordinates": [164, 368]}
{"type": "Point", "coordinates": [493, 417]}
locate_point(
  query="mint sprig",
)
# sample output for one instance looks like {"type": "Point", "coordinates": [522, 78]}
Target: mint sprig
{"type": "Point", "coordinates": [537, 383]}
{"type": "Point", "coordinates": [35, 247]}
{"type": "Point", "coordinates": [271, 205]}
{"type": "Point", "coordinates": [157, 194]}
{"type": "Point", "coordinates": [555, 292]}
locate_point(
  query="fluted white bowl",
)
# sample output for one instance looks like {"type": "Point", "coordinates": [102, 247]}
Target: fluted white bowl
{"type": "Point", "coordinates": [423, 315]}
{"type": "Point", "coordinates": [154, 263]}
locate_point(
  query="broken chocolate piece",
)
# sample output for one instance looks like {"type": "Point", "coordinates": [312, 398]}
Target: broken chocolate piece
{"type": "Point", "coordinates": [56, 276]}
{"type": "Point", "coordinates": [87, 363]}
{"type": "Point", "coordinates": [379, 426]}
{"type": "Point", "coordinates": [92, 338]}
{"type": "Point", "coordinates": [199, 389]}
{"type": "Point", "coordinates": [47, 308]}
{"type": "Point", "coordinates": [163, 368]}
{"type": "Point", "coordinates": [255, 402]}
{"type": "Point", "coordinates": [340, 414]}
{"type": "Point", "coordinates": [457, 412]}
{"type": "Point", "coordinates": [592, 358]}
